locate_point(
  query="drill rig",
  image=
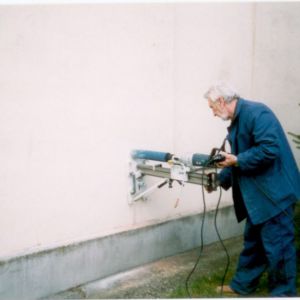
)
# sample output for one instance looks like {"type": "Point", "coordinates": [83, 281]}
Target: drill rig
{"type": "Point", "coordinates": [196, 168]}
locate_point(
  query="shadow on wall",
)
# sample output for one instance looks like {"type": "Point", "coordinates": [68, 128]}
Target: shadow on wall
{"type": "Point", "coordinates": [296, 139]}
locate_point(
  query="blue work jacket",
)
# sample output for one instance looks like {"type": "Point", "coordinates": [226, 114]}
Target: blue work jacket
{"type": "Point", "coordinates": [266, 180]}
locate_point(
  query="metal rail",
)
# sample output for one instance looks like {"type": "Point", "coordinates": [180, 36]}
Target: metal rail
{"type": "Point", "coordinates": [200, 177]}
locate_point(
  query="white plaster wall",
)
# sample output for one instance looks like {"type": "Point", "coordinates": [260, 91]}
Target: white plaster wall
{"type": "Point", "coordinates": [82, 85]}
{"type": "Point", "coordinates": [277, 62]}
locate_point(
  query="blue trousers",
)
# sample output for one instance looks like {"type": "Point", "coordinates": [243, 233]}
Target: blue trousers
{"type": "Point", "coordinates": [268, 247]}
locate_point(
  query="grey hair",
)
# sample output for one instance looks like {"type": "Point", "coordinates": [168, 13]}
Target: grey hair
{"type": "Point", "coordinates": [221, 89]}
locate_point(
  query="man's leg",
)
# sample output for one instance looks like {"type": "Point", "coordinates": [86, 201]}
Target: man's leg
{"type": "Point", "coordinates": [278, 240]}
{"type": "Point", "coordinates": [252, 261]}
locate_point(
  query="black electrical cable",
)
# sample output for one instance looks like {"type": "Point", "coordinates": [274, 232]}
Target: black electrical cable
{"type": "Point", "coordinates": [201, 238]}
{"type": "Point", "coordinates": [222, 243]}
{"type": "Point", "coordinates": [202, 242]}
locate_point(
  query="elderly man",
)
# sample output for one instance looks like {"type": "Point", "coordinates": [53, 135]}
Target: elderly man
{"type": "Point", "coordinates": [265, 185]}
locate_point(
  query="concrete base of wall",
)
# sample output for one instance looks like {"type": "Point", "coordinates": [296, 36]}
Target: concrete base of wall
{"type": "Point", "coordinates": [48, 272]}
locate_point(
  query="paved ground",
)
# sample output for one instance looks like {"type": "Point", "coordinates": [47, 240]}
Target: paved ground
{"type": "Point", "coordinates": [157, 279]}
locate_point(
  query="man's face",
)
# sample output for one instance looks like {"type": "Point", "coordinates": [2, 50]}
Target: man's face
{"type": "Point", "coordinates": [219, 108]}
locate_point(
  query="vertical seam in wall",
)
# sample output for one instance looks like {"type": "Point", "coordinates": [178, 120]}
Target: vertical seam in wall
{"type": "Point", "coordinates": [174, 78]}
{"type": "Point", "coordinates": [173, 70]}
{"type": "Point", "coordinates": [254, 7]}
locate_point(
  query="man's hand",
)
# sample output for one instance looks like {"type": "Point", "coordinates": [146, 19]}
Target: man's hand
{"type": "Point", "coordinates": [230, 160]}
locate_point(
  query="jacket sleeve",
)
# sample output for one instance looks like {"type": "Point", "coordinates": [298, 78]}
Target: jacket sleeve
{"type": "Point", "coordinates": [264, 128]}
{"type": "Point", "coordinates": [224, 178]}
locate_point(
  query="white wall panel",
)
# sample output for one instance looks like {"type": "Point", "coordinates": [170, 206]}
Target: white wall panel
{"type": "Point", "coordinates": [82, 85]}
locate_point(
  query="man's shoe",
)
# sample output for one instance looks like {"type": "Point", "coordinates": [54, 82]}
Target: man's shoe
{"type": "Point", "coordinates": [227, 290]}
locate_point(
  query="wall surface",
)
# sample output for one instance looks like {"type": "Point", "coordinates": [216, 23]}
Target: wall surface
{"type": "Point", "coordinates": [276, 62]}
{"type": "Point", "coordinates": [83, 85]}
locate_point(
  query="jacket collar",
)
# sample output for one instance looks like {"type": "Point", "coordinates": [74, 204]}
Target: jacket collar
{"type": "Point", "coordinates": [237, 111]}
{"type": "Point", "coordinates": [238, 108]}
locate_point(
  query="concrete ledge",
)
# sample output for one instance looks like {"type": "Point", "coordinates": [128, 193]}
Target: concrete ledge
{"type": "Point", "coordinates": [48, 272]}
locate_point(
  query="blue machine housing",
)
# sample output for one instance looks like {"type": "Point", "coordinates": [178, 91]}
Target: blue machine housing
{"type": "Point", "coordinates": [151, 155]}
{"type": "Point", "coordinates": [197, 159]}
{"type": "Point", "coordinates": [200, 160]}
